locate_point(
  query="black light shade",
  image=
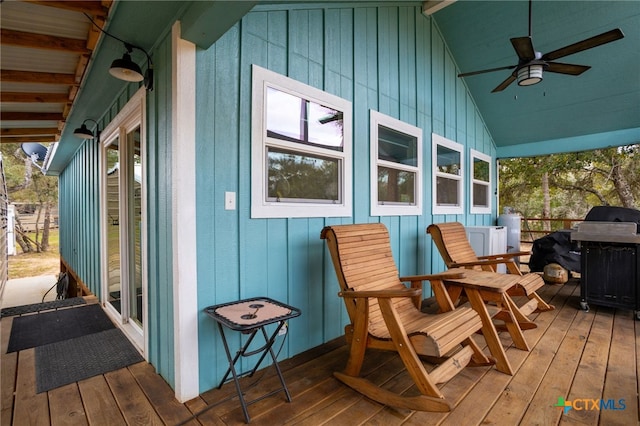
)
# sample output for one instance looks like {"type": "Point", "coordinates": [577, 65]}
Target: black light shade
{"type": "Point", "coordinates": [125, 69]}
{"type": "Point", "coordinates": [83, 133]}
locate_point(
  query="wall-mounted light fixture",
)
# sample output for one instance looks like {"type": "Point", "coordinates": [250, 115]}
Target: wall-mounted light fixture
{"type": "Point", "coordinates": [127, 70]}
{"type": "Point", "coordinates": [83, 132]}
{"type": "Point", "coordinates": [124, 68]}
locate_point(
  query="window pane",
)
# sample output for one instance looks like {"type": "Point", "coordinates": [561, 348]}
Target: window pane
{"type": "Point", "coordinates": [395, 186]}
{"type": "Point", "coordinates": [294, 119]}
{"type": "Point", "coordinates": [397, 147]}
{"type": "Point", "coordinates": [448, 160]}
{"type": "Point", "coordinates": [447, 192]}
{"type": "Point", "coordinates": [480, 195]}
{"type": "Point", "coordinates": [302, 176]}
{"type": "Point", "coordinates": [480, 170]}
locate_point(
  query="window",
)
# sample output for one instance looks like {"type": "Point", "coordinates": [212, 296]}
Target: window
{"type": "Point", "coordinates": [480, 182]}
{"type": "Point", "coordinates": [301, 149]}
{"type": "Point", "coordinates": [396, 167]}
{"type": "Point", "coordinates": [448, 176]}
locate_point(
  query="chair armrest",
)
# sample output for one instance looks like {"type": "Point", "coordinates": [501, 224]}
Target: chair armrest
{"type": "Point", "coordinates": [407, 292]}
{"type": "Point", "coordinates": [505, 255]}
{"type": "Point", "coordinates": [433, 277]}
{"type": "Point", "coordinates": [481, 263]}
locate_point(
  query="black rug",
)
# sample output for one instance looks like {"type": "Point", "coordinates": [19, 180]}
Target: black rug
{"type": "Point", "coordinates": [44, 306]}
{"type": "Point", "coordinates": [72, 360]}
{"type": "Point", "coordinates": [40, 329]}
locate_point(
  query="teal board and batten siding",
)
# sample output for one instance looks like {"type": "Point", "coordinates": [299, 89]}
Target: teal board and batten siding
{"type": "Point", "coordinates": [79, 212]}
{"type": "Point", "coordinates": [80, 220]}
{"type": "Point", "coordinates": [159, 329]}
{"type": "Point", "coordinates": [390, 59]}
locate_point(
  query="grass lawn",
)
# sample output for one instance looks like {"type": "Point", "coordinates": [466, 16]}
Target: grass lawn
{"type": "Point", "coordinates": [24, 265]}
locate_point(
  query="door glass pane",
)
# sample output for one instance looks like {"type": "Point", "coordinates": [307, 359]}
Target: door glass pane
{"type": "Point", "coordinates": [134, 191]}
{"type": "Point", "coordinates": [113, 224]}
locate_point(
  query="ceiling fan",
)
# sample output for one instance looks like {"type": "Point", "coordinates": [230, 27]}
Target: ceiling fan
{"type": "Point", "coordinates": [531, 63]}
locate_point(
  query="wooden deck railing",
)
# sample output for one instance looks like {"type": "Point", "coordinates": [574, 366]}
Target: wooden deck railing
{"type": "Point", "coordinates": [532, 228]}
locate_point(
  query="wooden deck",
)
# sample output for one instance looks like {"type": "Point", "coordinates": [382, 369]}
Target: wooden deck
{"type": "Point", "coordinates": [581, 357]}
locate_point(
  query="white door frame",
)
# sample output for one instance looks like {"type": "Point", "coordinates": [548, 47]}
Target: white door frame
{"type": "Point", "coordinates": [131, 116]}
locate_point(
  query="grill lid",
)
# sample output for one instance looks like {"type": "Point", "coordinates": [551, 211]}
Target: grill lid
{"type": "Point", "coordinates": [612, 232]}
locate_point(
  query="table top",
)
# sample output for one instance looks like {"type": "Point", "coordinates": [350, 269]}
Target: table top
{"type": "Point", "coordinates": [483, 280]}
{"type": "Point", "coordinates": [248, 314]}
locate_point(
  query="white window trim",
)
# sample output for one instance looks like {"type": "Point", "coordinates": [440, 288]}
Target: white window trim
{"type": "Point", "coordinates": [378, 119]}
{"type": "Point", "coordinates": [260, 207]}
{"type": "Point", "coordinates": [484, 157]}
{"type": "Point", "coordinates": [442, 141]}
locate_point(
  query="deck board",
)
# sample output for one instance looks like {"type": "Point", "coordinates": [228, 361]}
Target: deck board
{"type": "Point", "coordinates": [7, 372]}
{"type": "Point", "coordinates": [66, 407]}
{"type": "Point", "coordinates": [99, 403]}
{"type": "Point", "coordinates": [575, 355]}
{"type": "Point", "coordinates": [135, 407]}
{"type": "Point", "coordinates": [590, 376]}
{"type": "Point", "coordinates": [621, 379]}
{"type": "Point", "coordinates": [29, 408]}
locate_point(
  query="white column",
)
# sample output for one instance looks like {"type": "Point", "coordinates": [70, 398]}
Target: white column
{"type": "Point", "coordinates": [185, 283]}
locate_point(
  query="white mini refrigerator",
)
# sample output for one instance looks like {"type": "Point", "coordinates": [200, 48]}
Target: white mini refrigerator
{"type": "Point", "coordinates": [487, 240]}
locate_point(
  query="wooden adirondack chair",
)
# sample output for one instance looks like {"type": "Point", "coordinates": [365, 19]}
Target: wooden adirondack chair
{"type": "Point", "coordinates": [384, 314]}
{"type": "Point", "coordinates": [454, 247]}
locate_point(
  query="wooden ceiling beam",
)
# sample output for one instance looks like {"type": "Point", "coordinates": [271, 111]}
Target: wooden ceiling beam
{"type": "Point", "coordinates": [94, 33]}
{"type": "Point", "coordinates": [36, 131]}
{"type": "Point", "coordinates": [27, 97]}
{"type": "Point", "coordinates": [42, 41]}
{"type": "Point", "coordinates": [37, 77]}
{"type": "Point", "coordinates": [95, 8]}
{"type": "Point", "coordinates": [30, 116]}
{"type": "Point", "coordinates": [23, 139]}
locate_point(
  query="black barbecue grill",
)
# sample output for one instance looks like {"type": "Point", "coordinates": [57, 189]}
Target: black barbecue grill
{"type": "Point", "coordinates": [610, 258]}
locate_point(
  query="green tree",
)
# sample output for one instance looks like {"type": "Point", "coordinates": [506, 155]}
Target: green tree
{"type": "Point", "coordinates": [576, 182]}
{"type": "Point", "coordinates": [27, 184]}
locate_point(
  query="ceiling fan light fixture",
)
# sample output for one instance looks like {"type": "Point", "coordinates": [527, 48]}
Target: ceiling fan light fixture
{"type": "Point", "coordinates": [125, 69]}
{"type": "Point", "coordinates": [530, 75]}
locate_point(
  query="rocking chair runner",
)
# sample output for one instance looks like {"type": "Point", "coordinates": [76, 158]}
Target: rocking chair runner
{"type": "Point", "coordinates": [384, 314]}
{"type": "Point", "coordinates": [454, 247]}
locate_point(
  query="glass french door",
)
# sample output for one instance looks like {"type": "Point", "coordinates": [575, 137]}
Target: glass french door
{"type": "Point", "coordinates": [123, 228]}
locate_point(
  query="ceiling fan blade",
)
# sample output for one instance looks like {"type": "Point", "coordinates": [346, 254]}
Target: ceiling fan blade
{"type": "Point", "coordinates": [585, 44]}
{"type": "Point", "coordinates": [570, 69]}
{"type": "Point", "coordinates": [524, 48]}
{"type": "Point", "coordinates": [467, 74]}
{"type": "Point", "coordinates": [504, 84]}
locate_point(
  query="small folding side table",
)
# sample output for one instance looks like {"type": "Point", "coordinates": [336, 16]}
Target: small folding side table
{"type": "Point", "coordinates": [249, 316]}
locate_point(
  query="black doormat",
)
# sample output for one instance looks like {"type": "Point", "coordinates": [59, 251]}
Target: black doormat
{"type": "Point", "coordinates": [72, 360]}
{"type": "Point", "coordinates": [44, 306]}
{"type": "Point", "coordinates": [40, 329]}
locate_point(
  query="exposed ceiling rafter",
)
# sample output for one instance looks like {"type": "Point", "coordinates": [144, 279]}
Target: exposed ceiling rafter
{"type": "Point", "coordinates": [27, 84]}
